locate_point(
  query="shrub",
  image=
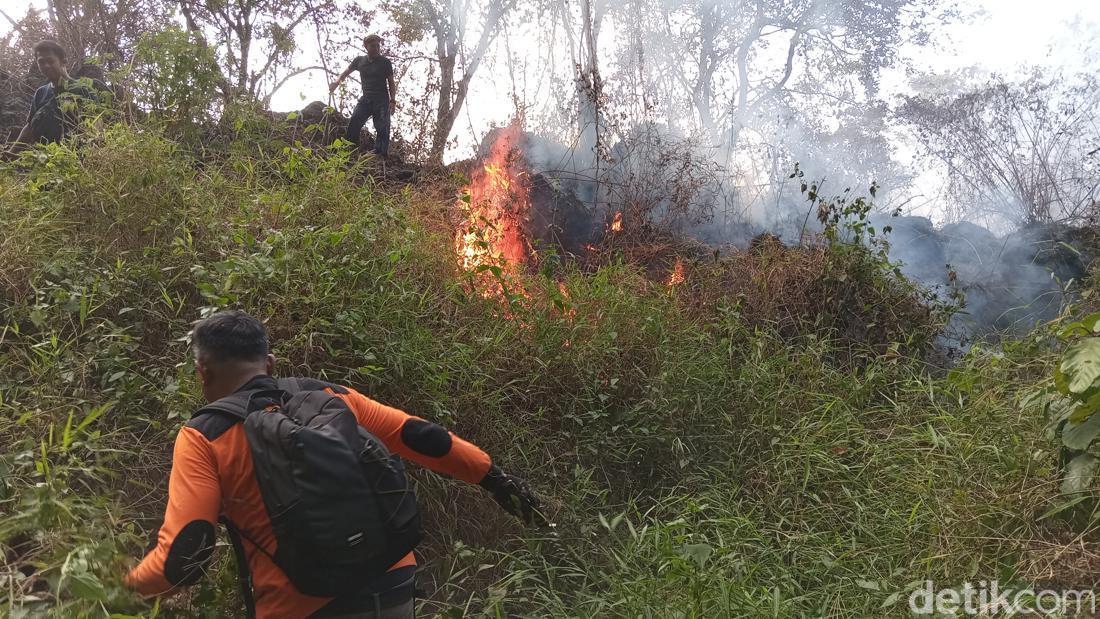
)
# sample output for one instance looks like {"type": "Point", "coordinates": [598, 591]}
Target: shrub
{"type": "Point", "coordinates": [174, 75]}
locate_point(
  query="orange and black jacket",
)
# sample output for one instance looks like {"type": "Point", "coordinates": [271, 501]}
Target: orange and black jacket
{"type": "Point", "coordinates": [212, 478]}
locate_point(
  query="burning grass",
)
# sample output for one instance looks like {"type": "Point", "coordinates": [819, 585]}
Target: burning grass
{"type": "Point", "coordinates": [846, 292]}
{"type": "Point", "coordinates": [493, 241]}
{"type": "Point", "coordinates": [855, 298]}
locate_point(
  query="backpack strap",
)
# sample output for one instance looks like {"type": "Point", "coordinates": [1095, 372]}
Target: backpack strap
{"type": "Point", "coordinates": [290, 385]}
{"type": "Point", "coordinates": [293, 385]}
{"type": "Point", "coordinates": [235, 405]}
{"type": "Point", "coordinates": [240, 404]}
{"type": "Point", "coordinates": [244, 574]}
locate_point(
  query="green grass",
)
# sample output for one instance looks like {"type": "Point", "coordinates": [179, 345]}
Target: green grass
{"type": "Point", "coordinates": [831, 506]}
{"type": "Point", "coordinates": [693, 464]}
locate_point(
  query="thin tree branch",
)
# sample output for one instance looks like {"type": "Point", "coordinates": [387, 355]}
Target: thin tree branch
{"type": "Point", "coordinates": [14, 24]}
{"type": "Point", "coordinates": [287, 77]}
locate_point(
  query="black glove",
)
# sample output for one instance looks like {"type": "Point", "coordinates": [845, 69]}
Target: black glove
{"type": "Point", "coordinates": [513, 494]}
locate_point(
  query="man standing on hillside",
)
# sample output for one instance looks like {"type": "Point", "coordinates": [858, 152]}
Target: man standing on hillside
{"type": "Point", "coordinates": [55, 109]}
{"type": "Point", "coordinates": [217, 476]}
{"type": "Point", "coordinates": [379, 98]}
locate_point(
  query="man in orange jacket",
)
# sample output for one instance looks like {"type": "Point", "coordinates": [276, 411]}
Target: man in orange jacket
{"type": "Point", "coordinates": [212, 478]}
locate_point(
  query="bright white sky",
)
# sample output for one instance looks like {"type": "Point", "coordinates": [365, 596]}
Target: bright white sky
{"type": "Point", "coordinates": [994, 35]}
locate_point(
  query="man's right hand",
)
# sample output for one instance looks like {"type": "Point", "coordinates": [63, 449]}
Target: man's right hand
{"type": "Point", "coordinates": [514, 495]}
{"type": "Point", "coordinates": [333, 86]}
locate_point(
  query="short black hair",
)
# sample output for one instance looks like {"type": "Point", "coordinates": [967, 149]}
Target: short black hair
{"type": "Point", "coordinates": [49, 47]}
{"type": "Point", "coordinates": [230, 335]}
{"type": "Point", "coordinates": [371, 37]}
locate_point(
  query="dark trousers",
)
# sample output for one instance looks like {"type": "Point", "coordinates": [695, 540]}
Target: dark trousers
{"type": "Point", "coordinates": [390, 597]}
{"type": "Point", "coordinates": [379, 110]}
{"type": "Point", "coordinates": [405, 610]}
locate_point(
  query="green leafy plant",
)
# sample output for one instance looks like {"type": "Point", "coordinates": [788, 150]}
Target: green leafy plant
{"type": "Point", "coordinates": [1073, 402]}
{"type": "Point", "coordinates": [174, 74]}
{"type": "Point", "coordinates": [863, 293]}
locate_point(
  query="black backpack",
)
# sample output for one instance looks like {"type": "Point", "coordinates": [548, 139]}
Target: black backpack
{"type": "Point", "coordinates": [341, 508]}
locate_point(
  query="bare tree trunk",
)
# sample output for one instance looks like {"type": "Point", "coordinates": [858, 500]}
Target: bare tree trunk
{"type": "Point", "coordinates": [244, 33]}
{"type": "Point", "coordinates": [452, 94]}
{"type": "Point", "coordinates": [703, 95]}
{"type": "Point", "coordinates": [741, 102]}
{"type": "Point", "coordinates": [588, 81]}
{"type": "Point", "coordinates": [445, 115]}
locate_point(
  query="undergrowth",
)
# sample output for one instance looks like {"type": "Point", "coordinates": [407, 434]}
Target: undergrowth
{"type": "Point", "coordinates": [696, 460]}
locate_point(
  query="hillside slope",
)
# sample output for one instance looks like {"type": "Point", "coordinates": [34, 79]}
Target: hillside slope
{"type": "Point", "coordinates": [696, 460]}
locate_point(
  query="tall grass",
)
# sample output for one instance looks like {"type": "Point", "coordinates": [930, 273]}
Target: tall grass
{"type": "Point", "coordinates": [694, 462]}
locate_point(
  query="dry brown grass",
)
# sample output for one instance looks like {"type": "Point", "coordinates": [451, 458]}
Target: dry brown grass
{"type": "Point", "coordinates": [811, 289]}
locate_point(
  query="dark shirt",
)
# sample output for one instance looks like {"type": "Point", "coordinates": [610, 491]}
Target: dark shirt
{"type": "Point", "coordinates": [55, 112]}
{"type": "Point", "coordinates": [374, 75]}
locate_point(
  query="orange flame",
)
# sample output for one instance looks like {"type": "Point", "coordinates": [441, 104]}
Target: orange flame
{"type": "Point", "coordinates": [567, 302]}
{"type": "Point", "coordinates": [617, 223]}
{"type": "Point", "coordinates": [493, 236]}
{"type": "Point", "coordinates": [677, 275]}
